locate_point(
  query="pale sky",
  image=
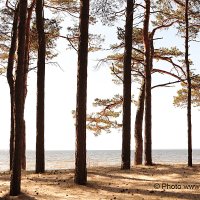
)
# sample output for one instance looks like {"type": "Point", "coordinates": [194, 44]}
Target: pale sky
{"type": "Point", "coordinates": [169, 123]}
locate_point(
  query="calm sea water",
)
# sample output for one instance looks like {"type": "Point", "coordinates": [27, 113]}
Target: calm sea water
{"type": "Point", "coordinates": [65, 159]}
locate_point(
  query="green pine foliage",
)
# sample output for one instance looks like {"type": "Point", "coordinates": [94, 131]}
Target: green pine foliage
{"type": "Point", "coordinates": [106, 118]}
{"type": "Point", "coordinates": [180, 100]}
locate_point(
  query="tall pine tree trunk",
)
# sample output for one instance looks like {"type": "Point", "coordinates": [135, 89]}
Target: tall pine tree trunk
{"type": "Point", "coordinates": [189, 122]}
{"type": "Point", "coordinates": [147, 59]}
{"type": "Point", "coordinates": [80, 160]}
{"type": "Point", "coordinates": [126, 129]}
{"type": "Point", "coordinates": [138, 126]}
{"type": "Point", "coordinates": [27, 50]}
{"type": "Point", "coordinates": [40, 152]}
{"type": "Point", "coordinates": [11, 81]}
{"type": "Point", "coordinates": [15, 185]}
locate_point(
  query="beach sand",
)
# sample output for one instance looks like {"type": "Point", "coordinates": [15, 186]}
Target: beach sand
{"type": "Point", "coordinates": [140, 183]}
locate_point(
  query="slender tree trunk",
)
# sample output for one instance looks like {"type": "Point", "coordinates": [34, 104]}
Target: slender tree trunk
{"type": "Point", "coordinates": [138, 126]}
{"type": "Point", "coordinates": [126, 129]}
{"type": "Point", "coordinates": [11, 81]}
{"type": "Point", "coordinates": [81, 107]}
{"type": "Point", "coordinates": [40, 154]}
{"type": "Point", "coordinates": [140, 110]}
{"type": "Point", "coordinates": [23, 153]}
{"type": "Point", "coordinates": [27, 50]}
{"type": "Point", "coordinates": [147, 58]}
{"type": "Point", "coordinates": [15, 185]}
{"type": "Point", "coordinates": [189, 122]}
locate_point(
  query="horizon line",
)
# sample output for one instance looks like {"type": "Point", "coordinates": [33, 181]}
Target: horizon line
{"type": "Point", "coordinates": [97, 149]}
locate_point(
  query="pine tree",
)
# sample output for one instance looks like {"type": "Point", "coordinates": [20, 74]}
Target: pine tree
{"type": "Point", "coordinates": [40, 151]}
{"type": "Point", "coordinates": [27, 51]}
{"type": "Point", "coordinates": [147, 52]}
{"type": "Point", "coordinates": [138, 154]}
{"type": "Point", "coordinates": [11, 80]}
{"type": "Point", "coordinates": [126, 127]}
{"type": "Point", "coordinates": [188, 84]}
{"type": "Point", "coordinates": [80, 153]}
{"type": "Point", "coordinates": [15, 185]}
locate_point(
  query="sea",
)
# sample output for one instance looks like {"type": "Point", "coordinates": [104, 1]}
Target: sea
{"type": "Point", "coordinates": [65, 159]}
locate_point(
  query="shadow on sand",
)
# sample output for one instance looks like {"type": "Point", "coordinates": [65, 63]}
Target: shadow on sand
{"type": "Point", "coordinates": [21, 196]}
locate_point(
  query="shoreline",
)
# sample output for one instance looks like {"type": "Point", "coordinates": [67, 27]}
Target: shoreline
{"type": "Point", "coordinates": [160, 181]}
{"type": "Point", "coordinates": [106, 165]}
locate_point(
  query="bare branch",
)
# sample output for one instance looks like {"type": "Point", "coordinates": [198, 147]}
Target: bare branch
{"type": "Point", "coordinates": [61, 9]}
{"type": "Point", "coordinates": [166, 72]}
{"type": "Point", "coordinates": [113, 70]}
{"type": "Point", "coordinates": [8, 6]}
{"type": "Point", "coordinates": [166, 84]}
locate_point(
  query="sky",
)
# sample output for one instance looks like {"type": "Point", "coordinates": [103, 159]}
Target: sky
{"type": "Point", "coordinates": [169, 124]}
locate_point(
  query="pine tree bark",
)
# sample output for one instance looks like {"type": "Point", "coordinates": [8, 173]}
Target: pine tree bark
{"type": "Point", "coordinates": [81, 101]}
{"type": "Point", "coordinates": [23, 153]}
{"type": "Point", "coordinates": [15, 185]}
{"type": "Point", "coordinates": [40, 151]}
{"type": "Point", "coordinates": [126, 128]}
{"type": "Point", "coordinates": [189, 114]}
{"type": "Point", "coordinates": [11, 81]}
{"type": "Point", "coordinates": [27, 50]}
{"type": "Point", "coordinates": [147, 59]}
{"type": "Point", "coordinates": [138, 156]}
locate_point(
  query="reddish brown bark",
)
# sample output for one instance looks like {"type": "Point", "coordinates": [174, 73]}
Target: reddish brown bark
{"type": "Point", "coordinates": [126, 128]}
{"type": "Point", "coordinates": [138, 156]}
{"type": "Point", "coordinates": [27, 50]}
{"type": "Point", "coordinates": [147, 59]}
{"type": "Point", "coordinates": [15, 185]}
{"type": "Point", "coordinates": [11, 81]}
{"type": "Point", "coordinates": [81, 99]}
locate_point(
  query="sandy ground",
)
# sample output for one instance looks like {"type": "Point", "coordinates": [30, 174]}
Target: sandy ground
{"type": "Point", "coordinates": [141, 183]}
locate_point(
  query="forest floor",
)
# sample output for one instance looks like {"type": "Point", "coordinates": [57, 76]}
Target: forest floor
{"type": "Point", "coordinates": [140, 183]}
